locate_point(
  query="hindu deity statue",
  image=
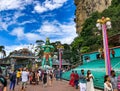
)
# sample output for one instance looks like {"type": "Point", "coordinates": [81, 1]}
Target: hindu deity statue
{"type": "Point", "coordinates": [47, 57]}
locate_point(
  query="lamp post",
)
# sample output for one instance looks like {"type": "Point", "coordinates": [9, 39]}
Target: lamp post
{"type": "Point", "coordinates": [60, 49]}
{"type": "Point", "coordinates": [104, 24]}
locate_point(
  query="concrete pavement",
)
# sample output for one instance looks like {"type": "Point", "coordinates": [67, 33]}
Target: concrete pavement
{"type": "Point", "coordinates": [57, 86]}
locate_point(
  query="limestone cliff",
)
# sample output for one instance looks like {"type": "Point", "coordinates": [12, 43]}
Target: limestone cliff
{"type": "Point", "coordinates": [85, 7]}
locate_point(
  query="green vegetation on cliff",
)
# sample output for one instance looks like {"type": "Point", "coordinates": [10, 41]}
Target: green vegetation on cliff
{"type": "Point", "coordinates": [90, 39]}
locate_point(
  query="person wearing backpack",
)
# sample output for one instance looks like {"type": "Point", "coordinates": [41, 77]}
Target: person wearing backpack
{"type": "Point", "coordinates": [13, 80]}
{"type": "Point", "coordinates": [3, 82]}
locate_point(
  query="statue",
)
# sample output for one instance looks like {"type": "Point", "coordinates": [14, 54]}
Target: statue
{"type": "Point", "coordinates": [47, 53]}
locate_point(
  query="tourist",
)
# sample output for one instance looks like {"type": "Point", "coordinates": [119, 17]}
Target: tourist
{"type": "Point", "coordinates": [13, 80]}
{"type": "Point", "coordinates": [89, 78]}
{"type": "Point", "coordinates": [88, 60]}
{"type": "Point", "coordinates": [98, 56]}
{"type": "Point", "coordinates": [3, 82]}
{"type": "Point", "coordinates": [113, 53]}
{"type": "Point", "coordinates": [72, 79]}
{"type": "Point", "coordinates": [102, 56]}
{"type": "Point", "coordinates": [30, 77]}
{"type": "Point", "coordinates": [33, 78]}
{"type": "Point", "coordinates": [45, 78]}
{"type": "Point", "coordinates": [60, 73]}
{"type": "Point", "coordinates": [40, 74]}
{"type": "Point", "coordinates": [76, 79]}
{"type": "Point", "coordinates": [50, 78]}
{"type": "Point", "coordinates": [107, 84]}
{"type": "Point", "coordinates": [100, 52]}
{"type": "Point", "coordinates": [82, 83]}
{"type": "Point", "coordinates": [118, 83]}
{"type": "Point", "coordinates": [24, 75]}
{"type": "Point", "coordinates": [57, 74]}
{"type": "Point", "coordinates": [113, 79]}
{"type": "Point", "coordinates": [37, 77]}
{"type": "Point", "coordinates": [18, 76]}
{"type": "Point", "coordinates": [21, 69]}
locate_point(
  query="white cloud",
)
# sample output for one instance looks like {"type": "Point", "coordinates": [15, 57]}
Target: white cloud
{"type": "Point", "coordinates": [10, 4]}
{"type": "Point", "coordinates": [48, 5]}
{"type": "Point", "coordinates": [3, 26]}
{"type": "Point", "coordinates": [54, 4]}
{"type": "Point", "coordinates": [32, 37]}
{"type": "Point", "coordinates": [19, 32]}
{"type": "Point", "coordinates": [26, 22]}
{"type": "Point", "coordinates": [55, 30]}
{"type": "Point", "coordinates": [21, 35]}
{"type": "Point", "coordinates": [48, 27]}
{"type": "Point", "coordinates": [40, 9]}
{"type": "Point", "coordinates": [67, 39]}
{"type": "Point", "coordinates": [13, 4]}
{"type": "Point", "coordinates": [9, 19]}
{"type": "Point", "coordinates": [9, 49]}
{"type": "Point", "coordinates": [63, 32]}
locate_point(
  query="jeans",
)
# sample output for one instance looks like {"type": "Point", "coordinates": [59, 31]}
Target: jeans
{"type": "Point", "coordinates": [12, 84]}
{"type": "Point", "coordinates": [76, 84]}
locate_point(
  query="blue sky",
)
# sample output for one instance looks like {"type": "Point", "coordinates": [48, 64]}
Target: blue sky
{"type": "Point", "coordinates": [24, 21]}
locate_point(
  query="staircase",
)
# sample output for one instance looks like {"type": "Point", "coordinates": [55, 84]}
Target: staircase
{"type": "Point", "coordinates": [97, 68]}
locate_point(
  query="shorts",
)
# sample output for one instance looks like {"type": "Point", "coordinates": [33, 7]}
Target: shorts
{"type": "Point", "coordinates": [24, 84]}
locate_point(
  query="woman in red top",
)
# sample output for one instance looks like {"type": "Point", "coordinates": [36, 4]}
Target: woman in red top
{"type": "Point", "coordinates": [72, 79]}
{"type": "Point", "coordinates": [76, 79]}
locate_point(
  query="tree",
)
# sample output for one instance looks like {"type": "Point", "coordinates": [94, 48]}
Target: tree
{"type": "Point", "coordinates": [39, 42]}
{"type": "Point", "coordinates": [88, 41]}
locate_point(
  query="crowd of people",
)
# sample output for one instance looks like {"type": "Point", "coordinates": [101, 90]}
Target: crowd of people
{"type": "Point", "coordinates": [23, 77]}
{"type": "Point", "coordinates": [26, 76]}
{"type": "Point", "coordinates": [82, 81]}
{"type": "Point", "coordinates": [85, 81]}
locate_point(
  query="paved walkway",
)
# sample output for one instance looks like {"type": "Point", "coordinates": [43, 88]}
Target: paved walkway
{"type": "Point", "coordinates": [57, 86]}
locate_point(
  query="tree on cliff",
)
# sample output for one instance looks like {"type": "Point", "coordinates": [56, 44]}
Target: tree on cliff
{"type": "Point", "coordinates": [91, 37]}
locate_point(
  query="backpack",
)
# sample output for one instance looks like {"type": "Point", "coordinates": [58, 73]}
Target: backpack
{"type": "Point", "coordinates": [118, 82]}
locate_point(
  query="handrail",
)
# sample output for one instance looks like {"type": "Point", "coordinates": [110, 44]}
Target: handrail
{"type": "Point", "coordinates": [97, 51]}
{"type": "Point", "coordinates": [115, 65]}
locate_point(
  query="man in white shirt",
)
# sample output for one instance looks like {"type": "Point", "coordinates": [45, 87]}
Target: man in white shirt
{"type": "Point", "coordinates": [24, 76]}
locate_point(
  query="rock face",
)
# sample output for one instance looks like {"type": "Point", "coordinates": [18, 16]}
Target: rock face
{"type": "Point", "coordinates": [85, 7]}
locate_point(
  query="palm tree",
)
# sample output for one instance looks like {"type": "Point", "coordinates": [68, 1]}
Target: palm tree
{"type": "Point", "coordinates": [2, 51]}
